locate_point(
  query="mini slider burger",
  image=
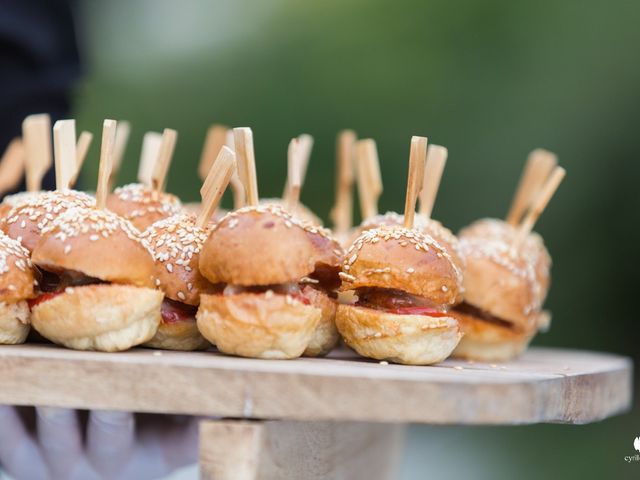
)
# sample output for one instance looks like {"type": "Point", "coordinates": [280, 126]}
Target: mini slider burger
{"type": "Point", "coordinates": [146, 202]}
{"type": "Point", "coordinates": [404, 283]}
{"type": "Point", "coordinates": [16, 289]}
{"type": "Point", "coordinates": [280, 274]}
{"type": "Point", "coordinates": [176, 243]}
{"type": "Point", "coordinates": [506, 283]}
{"type": "Point", "coordinates": [29, 212]}
{"type": "Point", "coordinates": [97, 275]}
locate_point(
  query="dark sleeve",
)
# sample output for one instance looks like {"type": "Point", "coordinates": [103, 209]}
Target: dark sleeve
{"type": "Point", "coordinates": [39, 63]}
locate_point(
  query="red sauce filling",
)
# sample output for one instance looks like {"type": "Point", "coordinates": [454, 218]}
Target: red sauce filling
{"type": "Point", "coordinates": [43, 297]}
{"type": "Point", "coordinates": [431, 312]}
{"type": "Point", "coordinates": [173, 312]}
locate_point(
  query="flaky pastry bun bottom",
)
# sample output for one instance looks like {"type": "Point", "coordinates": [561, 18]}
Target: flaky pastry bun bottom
{"type": "Point", "coordinates": [14, 322]}
{"type": "Point", "coordinates": [182, 335]}
{"type": "Point", "coordinates": [325, 336]}
{"type": "Point", "coordinates": [406, 339]}
{"type": "Point", "coordinates": [105, 317]}
{"type": "Point", "coordinates": [257, 325]}
{"type": "Point", "coordinates": [485, 341]}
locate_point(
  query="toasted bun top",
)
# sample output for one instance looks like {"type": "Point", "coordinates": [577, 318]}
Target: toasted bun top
{"type": "Point", "coordinates": [303, 212]}
{"type": "Point", "coordinates": [433, 228]}
{"type": "Point", "coordinates": [500, 280]}
{"type": "Point", "coordinates": [176, 243]}
{"type": "Point", "coordinates": [16, 271]}
{"type": "Point", "coordinates": [532, 248]}
{"type": "Point", "coordinates": [402, 259]}
{"type": "Point", "coordinates": [28, 218]}
{"type": "Point", "coordinates": [265, 245]}
{"type": "Point", "coordinates": [143, 205]}
{"type": "Point", "coordinates": [97, 243]}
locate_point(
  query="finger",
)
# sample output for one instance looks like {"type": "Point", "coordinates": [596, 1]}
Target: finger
{"type": "Point", "coordinates": [19, 454]}
{"type": "Point", "coordinates": [60, 439]}
{"type": "Point", "coordinates": [110, 440]}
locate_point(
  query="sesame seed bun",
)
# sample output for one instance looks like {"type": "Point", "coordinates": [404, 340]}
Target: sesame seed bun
{"type": "Point", "coordinates": [402, 259]}
{"type": "Point", "coordinates": [406, 339]}
{"type": "Point", "coordinates": [501, 282]}
{"type": "Point", "coordinates": [27, 219]}
{"type": "Point", "coordinates": [265, 245]}
{"type": "Point", "coordinates": [428, 226]}
{"type": "Point", "coordinates": [176, 243]}
{"type": "Point", "coordinates": [16, 271]}
{"type": "Point", "coordinates": [325, 336]}
{"type": "Point", "coordinates": [488, 341]}
{"type": "Point", "coordinates": [14, 322]}
{"type": "Point", "coordinates": [15, 200]}
{"type": "Point", "coordinates": [107, 318]}
{"type": "Point", "coordinates": [141, 205]}
{"type": "Point", "coordinates": [97, 243]}
{"type": "Point", "coordinates": [258, 325]}
{"type": "Point", "coordinates": [302, 212]}
{"type": "Point", "coordinates": [532, 247]}
{"type": "Point", "coordinates": [183, 335]}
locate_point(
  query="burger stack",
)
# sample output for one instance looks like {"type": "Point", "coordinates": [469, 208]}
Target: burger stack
{"type": "Point", "coordinates": [136, 267]}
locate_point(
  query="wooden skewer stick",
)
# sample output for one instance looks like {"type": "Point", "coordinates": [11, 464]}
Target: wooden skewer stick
{"type": "Point", "coordinates": [304, 148]}
{"type": "Point", "coordinates": [213, 143]}
{"type": "Point", "coordinates": [82, 148]}
{"type": "Point", "coordinates": [539, 165]}
{"type": "Point", "coordinates": [417, 158]}
{"type": "Point", "coordinates": [236, 184]}
{"type": "Point", "coordinates": [342, 212]}
{"type": "Point", "coordinates": [12, 166]}
{"type": "Point", "coordinates": [246, 161]}
{"type": "Point", "coordinates": [369, 177]}
{"type": "Point", "coordinates": [159, 177]}
{"type": "Point", "coordinates": [122, 138]}
{"type": "Point", "coordinates": [539, 204]}
{"type": "Point", "coordinates": [36, 135]}
{"type": "Point", "coordinates": [436, 160]}
{"type": "Point", "coordinates": [215, 184]}
{"type": "Point", "coordinates": [64, 146]}
{"type": "Point", "coordinates": [294, 174]}
{"type": "Point", "coordinates": [151, 143]}
{"type": "Point", "coordinates": [107, 152]}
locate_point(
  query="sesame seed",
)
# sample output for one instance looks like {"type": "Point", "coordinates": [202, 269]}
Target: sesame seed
{"type": "Point", "coordinates": [169, 268]}
{"type": "Point", "coordinates": [457, 367]}
{"type": "Point", "coordinates": [23, 224]}
{"type": "Point", "coordinates": [410, 270]}
{"type": "Point", "coordinates": [384, 362]}
{"type": "Point", "coordinates": [94, 238]}
{"type": "Point", "coordinates": [444, 288]}
{"type": "Point", "coordinates": [268, 294]}
{"type": "Point", "coordinates": [68, 290]}
{"type": "Point", "coordinates": [157, 282]}
{"type": "Point", "coordinates": [181, 296]}
{"type": "Point", "coordinates": [67, 249]}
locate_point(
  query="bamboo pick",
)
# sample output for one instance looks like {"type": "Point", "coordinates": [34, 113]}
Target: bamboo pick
{"type": "Point", "coordinates": [436, 160]}
{"type": "Point", "coordinates": [539, 204]}
{"type": "Point", "coordinates": [245, 158]}
{"type": "Point", "coordinates": [107, 151]}
{"type": "Point", "coordinates": [368, 176]}
{"type": "Point", "coordinates": [305, 146]}
{"type": "Point", "coordinates": [122, 138]}
{"type": "Point", "coordinates": [64, 146]}
{"type": "Point", "coordinates": [237, 187]}
{"type": "Point", "coordinates": [342, 211]}
{"type": "Point", "coordinates": [82, 148]}
{"type": "Point", "coordinates": [159, 177]}
{"type": "Point", "coordinates": [417, 157]}
{"type": "Point", "coordinates": [539, 165]}
{"type": "Point", "coordinates": [294, 174]}
{"type": "Point", "coordinates": [215, 184]}
{"type": "Point", "coordinates": [214, 141]}
{"type": "Point", "coordinates": [12, 166]}
{"type": "Point", "coordinates": [149, 156]}
{"type": "Point", "coordinates": [36, 136]}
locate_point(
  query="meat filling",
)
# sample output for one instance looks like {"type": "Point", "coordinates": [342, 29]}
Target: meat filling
{"type": "Point", "coordinates": [52, 284]}
{"type": "Point", "coordinates": [482, 315]}
{"type": "Point", "coordinates": [397, 302]}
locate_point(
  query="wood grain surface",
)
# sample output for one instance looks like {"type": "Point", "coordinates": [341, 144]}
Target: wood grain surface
{"type": "Point", "coordinates": [544, 385]}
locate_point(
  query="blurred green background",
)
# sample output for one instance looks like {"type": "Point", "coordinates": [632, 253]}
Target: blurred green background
{"type": "Point", "coordinates": [489, 80]}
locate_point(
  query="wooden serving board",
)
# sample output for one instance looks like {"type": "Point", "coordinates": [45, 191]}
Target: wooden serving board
{"type": "Point", "coordinates": [544, 385]}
